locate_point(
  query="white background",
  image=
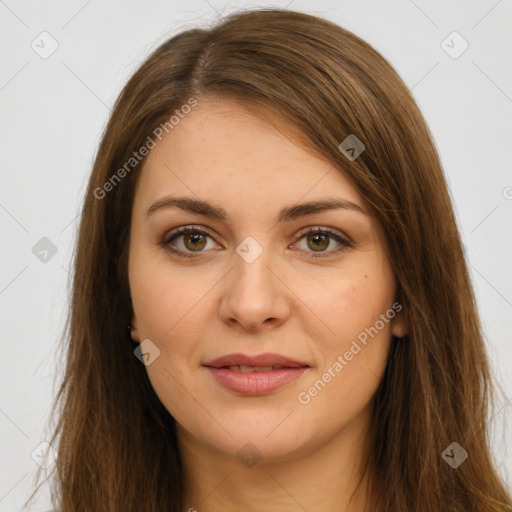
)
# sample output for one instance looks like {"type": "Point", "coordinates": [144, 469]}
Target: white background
{"type": "Point", "coordinates": [53, 112]}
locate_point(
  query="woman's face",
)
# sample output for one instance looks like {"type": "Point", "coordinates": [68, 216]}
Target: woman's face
{"type": "Point", "coordinates": [307, 316]}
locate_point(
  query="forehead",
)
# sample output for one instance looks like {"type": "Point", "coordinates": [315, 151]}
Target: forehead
{"type": "Point", "coordinates": [225, 151]}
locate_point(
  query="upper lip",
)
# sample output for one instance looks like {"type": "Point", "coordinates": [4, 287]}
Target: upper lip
{"type": "Point", "coordinates": [258, 360]}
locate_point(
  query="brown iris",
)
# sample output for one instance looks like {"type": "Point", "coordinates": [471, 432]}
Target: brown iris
{"type": "Point", "coordinates": [195, 238]}
{"type": "Point", "coordinates": [324, 241]}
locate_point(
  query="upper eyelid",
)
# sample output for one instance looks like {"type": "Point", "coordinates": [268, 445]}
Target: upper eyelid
{"type": "Point", "coordinates": [345, 241]}
{"type": "Point", "coordinates": [182, 230]}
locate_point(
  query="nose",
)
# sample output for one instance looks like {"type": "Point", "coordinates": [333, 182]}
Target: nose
{"type": "Point", "coordinates": [255, 296]}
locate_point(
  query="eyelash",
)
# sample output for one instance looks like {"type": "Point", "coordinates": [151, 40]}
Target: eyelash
{"type": "Point", "coordinates": [203, 231]}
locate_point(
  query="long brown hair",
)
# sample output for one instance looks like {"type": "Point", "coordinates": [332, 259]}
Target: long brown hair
{"type": "Point", "coordinates": [117, 447]}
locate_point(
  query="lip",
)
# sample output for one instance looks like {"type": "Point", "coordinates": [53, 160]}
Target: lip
{"type": "Point", "coordinates": [267, 359]}
{"type": "Point", "coordinates": [255, 383]}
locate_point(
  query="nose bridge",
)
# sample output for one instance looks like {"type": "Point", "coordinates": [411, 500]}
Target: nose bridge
{"type": "Point", "coordinates": [253, 293]}
{"type": "Point", "coordinates": [252, 262]}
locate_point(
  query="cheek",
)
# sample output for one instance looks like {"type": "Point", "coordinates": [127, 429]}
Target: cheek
{"type": "Point", "coordinates": [163, 300]}
{"type": "Point", "coordinates": [354, 360]}
{"type": "Point", "coordinates": [364, 329]}
{"type": "Point", "coordinates": [165, 305]}
{"type": "Point", "coordinates": [350, 305]}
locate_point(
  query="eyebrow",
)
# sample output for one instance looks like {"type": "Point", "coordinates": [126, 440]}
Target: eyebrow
{"type": "Point", "coordinates": [286, 214]}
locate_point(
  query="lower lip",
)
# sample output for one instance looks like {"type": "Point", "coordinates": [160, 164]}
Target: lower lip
{"type": "Point", "coordinates": [256, 383]}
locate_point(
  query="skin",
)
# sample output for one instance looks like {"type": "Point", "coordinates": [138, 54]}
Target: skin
{"type": "Point", "coordinates": [286, 302]}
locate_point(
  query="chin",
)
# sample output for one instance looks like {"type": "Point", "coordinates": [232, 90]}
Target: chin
{"type": "Point", "coordinates": [271, 437]}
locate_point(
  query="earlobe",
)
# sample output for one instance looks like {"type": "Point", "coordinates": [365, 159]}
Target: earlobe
{"type": "Point", "coordinates": [133, 331]}
{"type": "Point", "coordinates": [398, 325]}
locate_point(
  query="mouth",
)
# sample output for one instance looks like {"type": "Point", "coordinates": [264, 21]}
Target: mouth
{"type": "Point", "coordinates": [255, 375]}
{"type": "Point", "coordinates": [243, 368]}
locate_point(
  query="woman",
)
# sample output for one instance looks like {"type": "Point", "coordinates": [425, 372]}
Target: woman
{"type": "Point", "coordinates": [268, 215]}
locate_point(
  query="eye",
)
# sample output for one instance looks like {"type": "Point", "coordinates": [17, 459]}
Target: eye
{"type": "Point", "coordinates": [194, 239]}
{"type": "Point", "coordinates": [319, 239]}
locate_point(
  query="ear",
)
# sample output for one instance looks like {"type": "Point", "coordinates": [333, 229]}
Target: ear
{"type": "Point", "coordinates": [398, 325]}
{"type": "Point", "coordinates": [133, 329]}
